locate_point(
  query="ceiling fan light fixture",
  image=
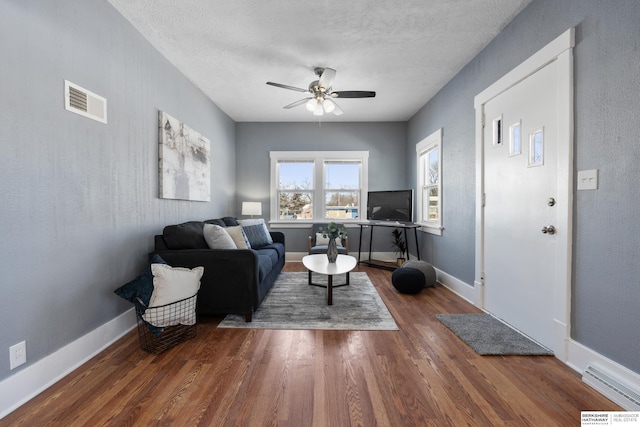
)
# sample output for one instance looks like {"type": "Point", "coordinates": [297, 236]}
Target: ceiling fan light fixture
{"type": "Point", "coordinates": [328, 105]}
{"type": "Point", "coordinates": [318, 110]}
{"type": "Point", "coordinates": [322, 94]}
{"type": "Point", "coordinates": [311, 104]}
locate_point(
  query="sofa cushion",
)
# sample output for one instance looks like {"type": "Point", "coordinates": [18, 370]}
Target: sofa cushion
{"type": "Point", "coordinates": [265, 265]}
{"type": "Point", "coordinates": [140, 289]}
{"type": "Point", "coordinates": [230, 221]}
{"type": "Point", "coordinates": [217, 221]}
{"type": "Point", "coordinates": [271, 253]}
{"type": "Point", "coordinates": [217, 238]}
{"type": "Point", "coordinates": [187, 235]}
{"type": "Point", "coordinates": [278, 247]}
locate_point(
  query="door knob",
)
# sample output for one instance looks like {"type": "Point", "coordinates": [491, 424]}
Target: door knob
{"type": "Point", "coordinates": [549, 230]}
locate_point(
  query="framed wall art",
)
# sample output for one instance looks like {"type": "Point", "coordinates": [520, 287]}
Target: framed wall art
{"type": "Point", "coordinates": [184, 161]}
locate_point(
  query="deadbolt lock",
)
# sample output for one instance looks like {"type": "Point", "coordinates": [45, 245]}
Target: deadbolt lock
{"type": "Point", "coordinates": [551, 201]}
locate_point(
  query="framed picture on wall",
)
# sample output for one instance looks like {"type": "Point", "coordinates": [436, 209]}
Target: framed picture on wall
{"type": "Point", "coordinates": [184, 161]}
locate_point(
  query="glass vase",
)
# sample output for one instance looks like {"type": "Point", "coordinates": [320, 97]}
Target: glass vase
{"type": "Point", "coordinates": [332, 251]}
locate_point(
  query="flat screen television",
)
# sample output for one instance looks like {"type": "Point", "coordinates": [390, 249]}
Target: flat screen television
{"type": "Point", "coordinates": [394, 205]}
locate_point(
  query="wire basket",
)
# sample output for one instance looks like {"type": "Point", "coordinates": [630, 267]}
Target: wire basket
{"type": "Point", "coordinates": [162, 327]}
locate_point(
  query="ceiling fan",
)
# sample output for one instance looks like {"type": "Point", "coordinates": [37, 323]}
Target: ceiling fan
{"type": "Point", "coordinates": [322, 99]}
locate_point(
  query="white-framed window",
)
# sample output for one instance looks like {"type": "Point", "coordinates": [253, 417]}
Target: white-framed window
{"type": "Point", "coordinates": [429, 183]}
{"type": "Point", "coordinates": [315, 186]}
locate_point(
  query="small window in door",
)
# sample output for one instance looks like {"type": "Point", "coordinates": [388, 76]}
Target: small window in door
{"type": "Point", "coordinates": [536, 147]}
{"type": "Point", "coordinates": [515, 139]}
{"type": "Point", "coordinates": [497, 131]}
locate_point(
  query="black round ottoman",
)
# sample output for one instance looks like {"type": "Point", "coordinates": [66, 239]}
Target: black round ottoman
{"type": "Point", "coordinates": [413, 276]}
{"type": "Point", "coordinates": [408, 280]}
{"type": "Point", "coordinates": [426, 268]}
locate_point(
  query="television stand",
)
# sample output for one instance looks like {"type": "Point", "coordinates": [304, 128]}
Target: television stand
{"type": "Point", "coordinates": [381, 264]}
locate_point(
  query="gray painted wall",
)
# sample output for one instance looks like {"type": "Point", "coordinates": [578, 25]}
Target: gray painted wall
{"type": "Point", "coordinates": [384, 141]}
{"type": "Point", "coordinates": [79, 198]}
{"type": "Point", "coordinates": [606, 271]}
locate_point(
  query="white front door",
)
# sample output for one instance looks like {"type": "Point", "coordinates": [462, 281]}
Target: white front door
{"type": "Point", "coordinates": [521, 204]}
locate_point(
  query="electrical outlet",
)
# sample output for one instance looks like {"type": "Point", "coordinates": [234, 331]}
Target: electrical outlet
{"type": "Point", "coordinates": [17, 355]}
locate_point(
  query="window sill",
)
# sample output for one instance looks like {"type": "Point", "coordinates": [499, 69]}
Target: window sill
{"type": "Point", "coordinates": [436, 230]}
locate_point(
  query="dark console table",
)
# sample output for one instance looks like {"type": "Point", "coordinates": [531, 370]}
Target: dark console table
{"type": "Point", "coordinates": [405, 227]}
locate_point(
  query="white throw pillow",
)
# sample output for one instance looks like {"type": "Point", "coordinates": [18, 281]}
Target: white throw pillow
{"type": "Point", "coordinates": [172, 284]}
{"type": "Point", "coordinates": [238, 237]}
{"type": "Point", "coordinates": [217, 237]}
{"type": "Point", "coordinates": [325, 240]}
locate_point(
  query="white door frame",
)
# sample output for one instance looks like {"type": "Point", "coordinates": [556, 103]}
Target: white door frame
{"type": "Point", "coordinates": [561, 50]}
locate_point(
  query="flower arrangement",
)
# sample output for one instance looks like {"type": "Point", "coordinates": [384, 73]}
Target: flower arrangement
{"type": "Point", "coordinates": [333, 231]}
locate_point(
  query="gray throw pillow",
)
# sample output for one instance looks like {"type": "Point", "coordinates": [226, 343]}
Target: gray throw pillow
{"type": "Point", "coordinates": [217, 237]}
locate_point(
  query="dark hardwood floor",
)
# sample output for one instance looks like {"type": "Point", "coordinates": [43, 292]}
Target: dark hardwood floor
{"type": "Point", "coordinates": [421, 375]}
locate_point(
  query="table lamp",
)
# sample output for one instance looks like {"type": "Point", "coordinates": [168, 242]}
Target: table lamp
{"type": "Point", "coordinates": [251, 208]}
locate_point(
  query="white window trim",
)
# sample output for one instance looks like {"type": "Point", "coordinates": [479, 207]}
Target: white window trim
{"type": "Point", "coordinates": [318, 157]}
{"type": "Point", "coordinates": [432, 141]}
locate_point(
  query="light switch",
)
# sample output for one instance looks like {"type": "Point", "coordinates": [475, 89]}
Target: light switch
{"type": "Point", "coordinates": [588, 180]}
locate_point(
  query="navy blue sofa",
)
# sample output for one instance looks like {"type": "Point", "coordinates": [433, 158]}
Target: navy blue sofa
{"type": "Point", "coordinates": [235, 281]}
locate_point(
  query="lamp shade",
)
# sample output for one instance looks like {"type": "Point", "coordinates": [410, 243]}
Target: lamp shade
{"type": "Point", "coordinates": [251, 208]}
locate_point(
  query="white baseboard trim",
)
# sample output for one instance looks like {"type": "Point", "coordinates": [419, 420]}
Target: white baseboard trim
{"type": "Point", "coordinates": [457, 286]}
{"type": "Point", "coordinates": [23, 386]}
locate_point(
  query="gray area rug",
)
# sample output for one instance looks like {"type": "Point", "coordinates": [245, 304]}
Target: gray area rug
{"type": "Point", "coordinates": [489, 336]}
{"type": "Point", "coordinates": [293, 304]}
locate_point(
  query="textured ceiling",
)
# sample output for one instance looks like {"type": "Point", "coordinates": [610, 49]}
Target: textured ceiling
{"type": "Point", "coordinates": [405, 51]}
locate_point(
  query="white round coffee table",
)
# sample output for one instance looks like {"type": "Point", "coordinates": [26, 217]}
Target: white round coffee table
{"type": "Point", "coordinates": [318, 263]}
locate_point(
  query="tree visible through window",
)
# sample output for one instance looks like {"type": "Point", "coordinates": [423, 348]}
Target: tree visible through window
{"type": "Point", "coordinates": [295, 189]}
{"type": "Point", "coordinates": [318, 185]}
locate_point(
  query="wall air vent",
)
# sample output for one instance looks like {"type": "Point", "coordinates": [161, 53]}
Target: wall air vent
{"type": "Point", "coordinates": [615, 390]}
{"type": "Point", "coordinates": [86, 103]}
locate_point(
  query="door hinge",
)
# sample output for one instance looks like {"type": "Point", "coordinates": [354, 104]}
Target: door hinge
{"type": "Point", "coordinates": [484, 199]}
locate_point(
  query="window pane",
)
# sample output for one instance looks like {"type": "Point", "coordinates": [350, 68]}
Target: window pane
{"type": "Point", "coordinates": [295, 175]}
{"type": "Point", "coordinates": [434, 166]}
{"type": "Point", "coordinates": [425, 204]}
{"type": "Point", "coordinates": [536, 148]}
{"type": "Point", "coordinates": [295, 205]}
{"type": "Point", "coordinates": [434, 204]}
{"type": "Point", "coordinates": [342, 175]}
{"type": "Point", "coordinates": [342, 204]}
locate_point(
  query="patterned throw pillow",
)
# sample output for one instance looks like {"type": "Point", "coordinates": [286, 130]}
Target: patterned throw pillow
{"type": "Point", "coordinates": [238, 237]}
{"type": "Point", "coordinates": [257, 232]}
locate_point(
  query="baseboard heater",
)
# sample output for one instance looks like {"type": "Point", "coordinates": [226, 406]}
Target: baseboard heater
{"type": "Point", "coordinates": [612, 388]}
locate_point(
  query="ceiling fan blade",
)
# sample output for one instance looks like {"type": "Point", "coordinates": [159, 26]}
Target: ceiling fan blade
{"type": "Point", "coordinates": [337, 111]}
{"type": "Point", "coordinates": [287, 87]}
{"type": "Point", "coordinates": [299, 102]}
{"type": "Point", "coordinates": [353, 94]}
{"type": "Point", "coordinates": [327, 77]}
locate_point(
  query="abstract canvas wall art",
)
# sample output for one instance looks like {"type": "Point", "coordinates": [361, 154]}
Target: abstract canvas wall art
{"type": "Point", "coordinates": [184, 161]}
